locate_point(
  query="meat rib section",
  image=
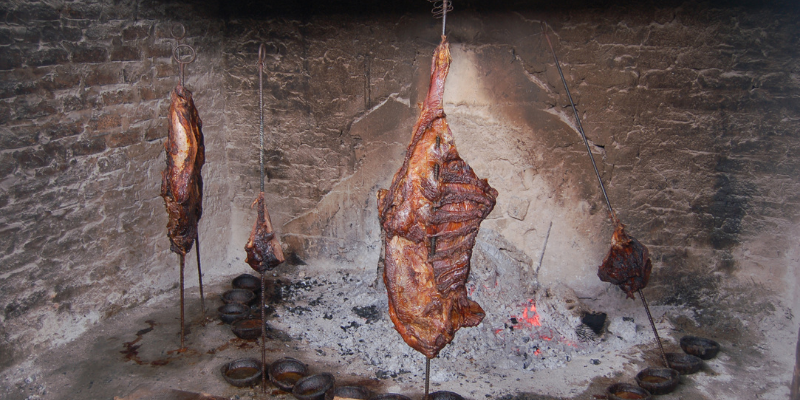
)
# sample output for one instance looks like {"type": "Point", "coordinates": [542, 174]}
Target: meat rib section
{"type": "Point", "coordinates": [181, 181]}
{"type": "Point", "coordinates": [263, 248]}
{"type": "Point", "coordinates": [627, 264]}
{"type": "Point", "coordinates": [430, 215]}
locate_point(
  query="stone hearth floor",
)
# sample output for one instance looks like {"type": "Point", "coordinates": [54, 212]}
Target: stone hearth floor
{"type": "Point", "coordinates": [132, 356]}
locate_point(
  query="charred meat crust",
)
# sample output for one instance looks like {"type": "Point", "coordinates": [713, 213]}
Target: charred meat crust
{"type": "Point", "coordinates": [431, 214]}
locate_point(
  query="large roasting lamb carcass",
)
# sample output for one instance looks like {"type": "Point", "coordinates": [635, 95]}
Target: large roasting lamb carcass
{"type": "Point", "coordinates": [430, 215]}
{"type": "Point", "coordinates": [627, 263]}
{"type": "Point", "coordinates": [181, 181]}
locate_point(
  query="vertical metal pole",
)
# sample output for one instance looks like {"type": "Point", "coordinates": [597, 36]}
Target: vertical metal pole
{"type": "Point", "coordinates": [183, 347]}
{"type": "Point", "coordinates": [427, 377]}
{"type": "Point", "coordinates": [580, 126]}
{"type": "Point", "coordinates": [444, 15]}
{"type": "Point", "coordinates": [200, 276]}
{"type": "Point", "coordinates": [263, 336]}
{"type": "Point", "coordinates": [653, 325]}
{"type": "Point", "coordinates": [261, 55]}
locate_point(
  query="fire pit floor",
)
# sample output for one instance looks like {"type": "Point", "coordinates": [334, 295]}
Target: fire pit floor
{"type": "Point", "coordinates": [527, 348]}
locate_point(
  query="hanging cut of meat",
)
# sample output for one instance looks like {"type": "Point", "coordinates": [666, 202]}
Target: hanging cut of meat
{"type": "Point", "coordinates": [263, 248]}
{"type": "Point", "coordinates": [430, 215]}
{"type": "Point", "coordinates": [627, 264]}
{"type": "Point", "coordinates": [181, 181]}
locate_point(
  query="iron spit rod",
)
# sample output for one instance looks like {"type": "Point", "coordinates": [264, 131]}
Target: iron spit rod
{"type": "Point", "coordinates": [580, 127]}
{"type": "Point", "coordinates": [200, 276]}
{"type": "Point", "coordinates": [261, 54]}
{"type": "Point", "coordinates": [427, 377]}
{"type": "Point", "coordinates": [263, 336]}
{"type": "Point", "coordinates": [653, 325]}
{"type": "Point", "coordinates": [183, 347]}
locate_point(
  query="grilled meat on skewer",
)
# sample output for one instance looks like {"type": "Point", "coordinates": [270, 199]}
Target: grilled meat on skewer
{"type": "Point", "coordinates": [263, 248]}
{"type": "Point", "coordinates": [431, 214]}
{"type": "Point", "coordinates": [627, 264]}
{"type": "Point", "coordinates": [181, 181]}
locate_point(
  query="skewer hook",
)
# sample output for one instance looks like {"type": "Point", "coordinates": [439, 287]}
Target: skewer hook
{"type": "Point", "coordinates": [183, 58]}
{"type": "Point", "coordinates": [440, 10]}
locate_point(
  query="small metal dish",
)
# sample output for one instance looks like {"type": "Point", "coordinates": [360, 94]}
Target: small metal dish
{"type": "Point", "coordinates": [626, 391]}
{"type": "Point", "coordinates": [686, 364]}
{"type": "Point", "coordinates": [247, 328]}
{"type": "Point", "coordinates": [314, 387]}
{"type": "Point", "coordinates": [247, 282]}
{"type": "Point", "coordinates": [238, 296]}
{"type": "Point", "coordinates": [351, 393]}
{"type": "Point", "coordinates": [658, 381]}
{"type": "Point", "coordinates": [285, 372]}
{"type": "Point", "coordinates": [702, 348]}
{"type": "Point", "coordinates": [389, 396]}
{"type": "Point", "coordinates": [232, 311]}
{"type": "Point", "coordinates": [444, 395]}
{"type": "Point", "coordinates": [242, 373]}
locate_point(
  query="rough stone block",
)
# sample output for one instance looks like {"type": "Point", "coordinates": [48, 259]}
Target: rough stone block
{"type": "Point", "coordinates": [10, 58]}
{"type": "Point", "coordinates": [125, 53]}
{"type": "Point", "coordinates": [33, 12]}
{"type": "Point", "coordinates": [159, 131]}
{"type": "Point", "coordinates": [105, 122]}
{"type": "Point", "coordinates": [55, 33]}
{"type": "Point", "coordinates": [135, 32]}
{"type": "Point", "coordinates": [47, 57]}
{"type": "Point", "coordinates": [85, 54]}
{"type": "Point", "coordinates": [124, 138]}
{"type": "Point", "coordinates": [6, 36]}
{"type": "Point", "coordinates": [88, 146]}
{"type": "Point", "coordinates": [7, 165]}
{"type": "Point", "coordinates": [18, 137]}
{"type": "Point", "coordinates": [80, 10]}
{"type": "Point", "coordinates": [32, 158]}
{"type": "Point", "coordinates": [104, 74]}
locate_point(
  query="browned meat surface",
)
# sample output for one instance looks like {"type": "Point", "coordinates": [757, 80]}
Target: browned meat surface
{"type": "Point", "coordinates": [263, 248]}
{"type": "Point", "coordinates": [181, 181]}
{"type": "Point", "coordinates": [627, 264]}
{"type": "Point", "coordinates": [431, 214]}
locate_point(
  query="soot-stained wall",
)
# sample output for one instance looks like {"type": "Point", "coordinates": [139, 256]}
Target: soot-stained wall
{"type": "Point", "coordinates": [691, 112]}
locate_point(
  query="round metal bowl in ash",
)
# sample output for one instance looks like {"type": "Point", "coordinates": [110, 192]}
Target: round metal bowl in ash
{"type": "Point", "coordinates": [238, 296]}
{"type": "Point", "coordinates": [686, 364]}
{"type": "Point", "coordinates": [625, 391]}
{"type": "Point", "coordinates": [314, 387]}
{"type": "Point", "coordinates": [658, 381]}
{"type": "Point", "coordinates": [351, 392]}
{"type": "Point", "coordinates": [285, 372]}
{"type": "Point", "coordinates": [389, 396]}
{"type": "Point", "coordinates": [444, 395]}
{"type": "Point", "coordinates": [232, 311]}
{"type": "Point", "coordinates": [247, 329]}
{"type": "Point", "coordinates": [247, 282]}
{"type": "Point", "coordinates": [242, 373]}
{"type": "Point", "coordinates": [703, 348]}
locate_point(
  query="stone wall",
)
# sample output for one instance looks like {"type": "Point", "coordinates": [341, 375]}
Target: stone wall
{"type": "Point", "coordinates": [84, 94]}
{"type": "Point", "coordinates": [691, 113]}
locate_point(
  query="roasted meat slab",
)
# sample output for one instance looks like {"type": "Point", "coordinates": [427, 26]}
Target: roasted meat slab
{"type": "Point", "coordinates": [430, 215]}
{"type": "Point", "coordinates": [627, 264]}
{"type": "Point", "coordinates": [263, 248]}
{"type": "Point", "coordinates": [181, 181]}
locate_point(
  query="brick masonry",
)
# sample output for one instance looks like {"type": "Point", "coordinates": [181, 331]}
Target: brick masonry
{"type": "Point", "coordinates": [692, 112]}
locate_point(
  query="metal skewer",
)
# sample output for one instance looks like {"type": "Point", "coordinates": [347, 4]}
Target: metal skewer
{"type": "Point", "coordinates": [613, 217]}
{"type": "Point", "coordinates": [427, 377]}
{"type": "Point", "coordinates": [653, 325]}
{"type": "Point", "coordinates": [183, 347]}
{"type": "Point", "coordinates": [261, 54]}
{"type": "Point", "coordinates": [580, 127]}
